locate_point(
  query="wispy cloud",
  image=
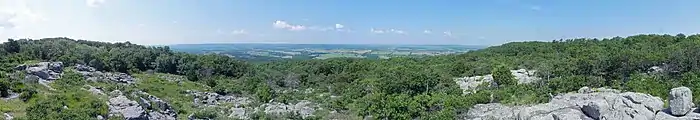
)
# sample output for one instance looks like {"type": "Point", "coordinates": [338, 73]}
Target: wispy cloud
{"type": "Point", "coordinates": [377, 31]}
{"type": "Point", "coordinates": [535, 8]}
{"type": "Point", "coordinates": [175, 22]}
{"type": "Point", "coordinates": [397, 31]}
{"type": "Point", "coordinates": [339, 26]}
{"type": "Point", "coordinates": [94, 3]}
{"type": "Point", "coordinates": [284, 25]}
{"type": "Point", "coordinates": [427, 31]}
{"type": "Point", "coordinates": [239, 32]}
{"type": "Point", "coordinates": [16, 13]}
{"type": "Point", "coordinates": [380, 31]}
{"type": "Point", "coordinates": [447, 33]}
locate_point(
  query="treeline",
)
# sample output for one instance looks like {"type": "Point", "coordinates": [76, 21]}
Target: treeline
{"type": "Point", "coordinates": [402, 88]}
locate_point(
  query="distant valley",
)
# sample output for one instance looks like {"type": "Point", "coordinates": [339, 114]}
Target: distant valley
{"type": "Point", "coordinates": [269, 52]}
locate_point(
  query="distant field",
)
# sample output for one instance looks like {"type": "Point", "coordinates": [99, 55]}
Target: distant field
{"type": "Point", "coordinates": [268, 52]}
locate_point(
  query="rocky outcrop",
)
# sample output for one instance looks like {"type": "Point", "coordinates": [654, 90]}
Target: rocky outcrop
{"type": "Point", "coordinates": [212, 99]}
{"type": "Point", "coordinates": [43, 70]}
{"type": "Point", "coordinates": [680, 101]}
{"type": "Point", "coordinates": [157, 108]}
{"type": "Point", "coordinates": [8, 116]}
{"type": "Point", "coordinates": [471, 84]}
{"type": "Point", "coordinates": [94, 90]}
{"type": "Point", "coordinates": [302, 108]}
{"type": "Point", "coordinates": [121, 105]}
{"type": "Point", "coordinates": [587, 104]}
{"type": "Point", "coordinates": [91, 74]}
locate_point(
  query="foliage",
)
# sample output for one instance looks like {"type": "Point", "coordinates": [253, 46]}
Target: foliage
{"type": "Point", "coordinates": [503, 77]}
{"type": "Point", "coordinates": [396, 88]}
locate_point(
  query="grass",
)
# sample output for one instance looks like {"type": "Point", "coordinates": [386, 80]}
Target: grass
{"type": "Point", "coordinates": [171, 92]}
{"type": "Point", "coordinates": [14, 106]}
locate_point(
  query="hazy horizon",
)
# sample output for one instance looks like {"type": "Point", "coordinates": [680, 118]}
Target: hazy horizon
{"type": "Point", "coordinates": [441, 22]}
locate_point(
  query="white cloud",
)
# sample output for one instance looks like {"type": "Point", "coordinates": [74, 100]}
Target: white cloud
{"type": "Point", "coordinates": [447, 33]}
{"type": "Point", "coordinates": [94, 3]}
{"type": "Point", "coordinates": [427, 31]}
{"type": "Point", "coordinates": [16, 13]}
{"type": "Point", "coordinates": [536, 8]}
{"type": "Point", "coordinates": [339, 26]}
{"type": "Point", "coordinates": [175, 22]}
{"type": "Point", "coordinates": [376, 31]}
{"type": "Point", "coordinates": [397, 31]}
{"type": "Point", "coordinates": [380, 31]}
{"type": "Point", "coordinates": [284, 25]}
{"type": "Point", "coordinates": [239, 32]}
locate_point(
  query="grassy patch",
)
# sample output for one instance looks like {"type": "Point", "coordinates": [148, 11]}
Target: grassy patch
{"type": "Point", "coordinates": [172, 92]}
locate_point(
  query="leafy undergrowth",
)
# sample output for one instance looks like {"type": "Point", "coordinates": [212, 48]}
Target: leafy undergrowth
{"type": "Point", "coordinates": [173, 92]}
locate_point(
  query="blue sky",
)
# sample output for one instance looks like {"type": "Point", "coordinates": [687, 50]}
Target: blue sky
{"type": "Point", "coordinates": [467, 22]}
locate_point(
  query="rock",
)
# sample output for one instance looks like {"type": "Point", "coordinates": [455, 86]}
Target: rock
{"type": "Point", "coordinates": [8, 116]}
{"type": "Point", "coordinates": [470, 84]}
{"type": "Point", "coordinates": [238, 113]}
{"type": "Point", "coordinates": [585, 90]}
{"type": "Point", "coordinates": [99, 117]}
{"type": "Point", "coordinates": [44, 70]}
{"type": "Point", "coordinates": [158, 109]}
{"type": "Point", "coordinates": [587, 104]}
{"type": "Point", "coordinates": [303, 108]}
{"type": "Point", "coordinates": [84, 68]}
{"type": "Point", "coordinates": [680, 101]}
{"type": "Point", "coordinates": [666, 115]}
{"type": "Point", "coordinates": [650, 102]}
{"type": "Point", "coordinates": [127, 108]}
{"type": "Point", "coordinates": [491, 111]}
{"type": "Point", "coordinates": [212, 99]}
{"type": "Point", "coordinates": [95, 91]}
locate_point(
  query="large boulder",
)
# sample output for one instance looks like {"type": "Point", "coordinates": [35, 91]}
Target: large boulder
{"type": "Point", "coordinates": [666, 115]}
{"type": "Point", "coordinates": [680, 101]}
{"type": "Point", "coordinates": [596, 104]}
{"type": "Point", "coordinates": [303, 108]}
{"type": "Point", "coordinates": [471, 84]}
{"type": "Point", "coordinates": [44, 70]}
{"type": "Point", "coordinates": [129, 109]}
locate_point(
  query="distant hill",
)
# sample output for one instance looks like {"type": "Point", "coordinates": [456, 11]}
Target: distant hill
{"type": "Point", "coordinates": [267, 52]}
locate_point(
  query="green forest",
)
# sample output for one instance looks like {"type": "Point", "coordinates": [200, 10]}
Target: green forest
{"type": "Point", "coordinates": [396, 88]}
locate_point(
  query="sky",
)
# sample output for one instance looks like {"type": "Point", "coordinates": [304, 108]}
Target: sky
{"type": "Point", "coordinates": [450, 22]}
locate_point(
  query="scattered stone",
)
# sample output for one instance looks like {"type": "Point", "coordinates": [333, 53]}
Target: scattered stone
{"type": "Point", "coordinates": [159, 110]}
{"type": "Point", "coordinates": [587, 104]}
{"type": "Point", "coordinates": [8, 116]}
{"type": "Point", "coordinates": [666, 115]}
{"type": "Point", "coordinates": [91, 74]}
{"type": "Point", "coordinates": [213, 99]}
{"type": "Point", "coordinates": [96, 91]}
{"type": "Point", "coordinates": [303, 108]}
{"type": "Point", "coordinates": [470, 84]}
{"type": "Point", "coordinates": [129, 109]}
{"type": "Point", "coordinates": [680, 101]}
{"type": "Point", "coordinates": [238, 113]}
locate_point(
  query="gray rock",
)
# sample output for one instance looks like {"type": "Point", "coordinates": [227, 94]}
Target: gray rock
{"type": "Point", "coordinates": [213, 99]}
{"type": "Point", "coordinates": [84, 68]}
{"type": "Point", "coordinates": [303, 108]}
{"type": "Point", "coordinates": [8, 116]}
{"type": "Point", "coordinates": [99, 117]}
{"type": "Point", "coordinates": [585, 90]}
{"type": "Point", "coordinates": [238, 113]}
{"type": "Point", "coordinates": [95, 91]}
{"type": "Point", "coordinates": [44, 70]}
{"type": "Point", "coordinates": [158, 109]}
{"type": "Point", "coordinates": [605, 104]}
{"type": "Point", "coordinates": [127, 108]}
{"type": "Point", "coordinates": [491, 111]}
{"type": "Point", "coordinates": [666, 115]}
{"type": "Point", "coordinates": [471, 84]}
{"type": "Point", "coordinates": [680, 101]}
